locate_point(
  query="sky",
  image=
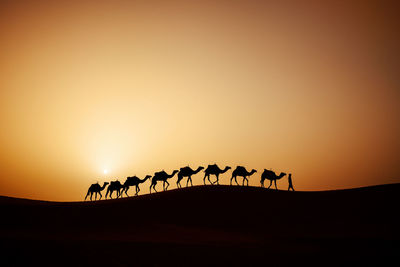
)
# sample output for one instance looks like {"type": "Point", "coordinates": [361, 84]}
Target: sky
{"type": "Point", "coordinates": [134, 87]}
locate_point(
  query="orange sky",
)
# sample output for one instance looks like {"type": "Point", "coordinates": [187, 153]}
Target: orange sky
{"type": "Point", "coordinates": [136, 87]}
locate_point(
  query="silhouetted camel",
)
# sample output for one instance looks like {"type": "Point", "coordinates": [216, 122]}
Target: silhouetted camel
{"type": "Point", "coordinates": [114, 186]}
{"type": "Point", "coordinates": [215, 170]}
{"type": "Point", "coordinates": [241, 171]}
{"type": "Point", "coordinates": [187, 172]}
{"type": "Point", "coordinates": [270, 175]}
{"type": "Point", "coordinates": [95, 188]}
{"type": "Point", "coordinates": [161, 176]}
{"type": "Point", "coordinates": [133, 181]}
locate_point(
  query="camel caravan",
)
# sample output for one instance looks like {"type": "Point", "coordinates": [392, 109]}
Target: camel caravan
{"type": "Point", "coordinates": [185, 172]}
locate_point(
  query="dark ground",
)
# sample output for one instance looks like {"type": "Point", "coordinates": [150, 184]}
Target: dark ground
{"type": "Point", "coordinates": [207, 225]}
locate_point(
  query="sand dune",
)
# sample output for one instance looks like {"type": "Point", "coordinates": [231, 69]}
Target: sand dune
{"type": "Point", "coordinates": [207, 225]}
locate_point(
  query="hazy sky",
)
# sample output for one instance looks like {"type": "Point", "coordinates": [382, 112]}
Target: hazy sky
{"type": "Point", "coordinates": [310, 88]}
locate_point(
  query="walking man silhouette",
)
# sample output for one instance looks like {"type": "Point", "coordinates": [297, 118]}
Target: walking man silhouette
{"type": "Point", "coordinates": [290, 182]}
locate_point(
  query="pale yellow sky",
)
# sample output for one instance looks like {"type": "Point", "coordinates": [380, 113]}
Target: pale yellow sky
{"type": "Point", "coordinates": [138, 87]}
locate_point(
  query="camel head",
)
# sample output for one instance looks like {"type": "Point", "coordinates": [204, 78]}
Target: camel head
{"type": "Point", "coordinates": [104, 185]}
{"type": "Point", "coordinates": [282, 174]}
{"type": "Point", "coordinates": [198, 169]}
{"type": "Point", "coordinates": [253, 171]}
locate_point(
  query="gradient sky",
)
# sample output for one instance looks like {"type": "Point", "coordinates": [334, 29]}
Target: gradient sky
{"type": "Point", "coordinates": [135, 87]}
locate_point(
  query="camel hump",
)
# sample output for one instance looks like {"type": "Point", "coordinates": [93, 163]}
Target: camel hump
{"type": "Point", "coordinates": [187, 168]}
{"type": "Point", "coordinates": [160, 173]}
{"type": "Point", "coordinates": [93, 186]}
{"type": "Point", "coordinates": [240, 168]}
{"type": "Point", "coordinates": [269, 172]}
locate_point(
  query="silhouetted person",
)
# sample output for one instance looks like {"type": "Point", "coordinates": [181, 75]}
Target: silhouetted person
{"type": "Point", "coordinates": [290, 182]}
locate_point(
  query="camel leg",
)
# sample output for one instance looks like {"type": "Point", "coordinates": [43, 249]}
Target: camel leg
{"type": "Point", "coordinates": [270, 184]}
{"type": "Point", "coordinates": [154, 187]}
{"type": "Point", "coordinates": [187, 181]}
{"type": "Point", "coordinates": [231, 180]}
{"type": "Point", "coordinates": [100, 195]}
{"type": "Point", "coordinates": [204, 179]}
{"type": "Point", "coordinates": [244, 178]}
{"type": "Point", "coordinates": [236, 180]}
{"type": "Point", "coordinates": [167, 185]}
{"type": "Point", "coordinates": [91, 194]}
{"type": "Point", "coordinates": [247, 181]}
{"type": "Point", "coordinates": [126, 191]}
{"type": "Point", "coordinates": [209, 179]}
{"type": "Point", "coordinates": [275, 185]}
{"type": "Point", "coordinates": [217, 181]}
{"type": "Point", "coordinates": [262, 183]}
{"type": "Point", "coordinates": [137, 190]}
{"type": "Point", "coordinates": [178, 183]}
{"type": "Point", "coordinates": [87, 195]}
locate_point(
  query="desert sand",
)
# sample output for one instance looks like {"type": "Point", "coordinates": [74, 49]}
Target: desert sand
{"type": "Point", "coordinates": [207, 226]}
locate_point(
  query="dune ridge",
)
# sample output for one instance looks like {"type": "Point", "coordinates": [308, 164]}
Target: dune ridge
{"type": "Point", "coordinates": [208, 225]}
